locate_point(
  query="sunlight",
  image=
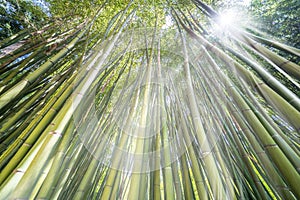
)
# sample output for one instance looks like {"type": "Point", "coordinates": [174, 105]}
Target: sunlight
{"type": "Point", "coordinates": [247, 2]}
{"type": "Point", "coordinates": [234, 15]}
{"type": "Point", "coordinates": [168, 22]}
{"type": "Point", "coordinates": [226, 19]}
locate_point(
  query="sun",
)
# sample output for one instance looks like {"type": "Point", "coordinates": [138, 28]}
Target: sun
{"type": "Point", "coordinates": [226, 18]}
{"type": "Point", "coordinates": [233, 16]}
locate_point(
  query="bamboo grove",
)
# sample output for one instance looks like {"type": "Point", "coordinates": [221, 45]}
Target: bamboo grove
{"type": "Point", "coordinates": [127, 108]}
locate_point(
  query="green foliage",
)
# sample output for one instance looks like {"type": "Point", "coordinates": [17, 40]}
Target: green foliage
{"type": "Point", "coordinates": [94, 92]}
{"type": "Point", "coordinates": [16, 15]}
{"type": "Point", "coordinates": [279, 18]}
{"type": "Point", "coordinates": [74, 9]}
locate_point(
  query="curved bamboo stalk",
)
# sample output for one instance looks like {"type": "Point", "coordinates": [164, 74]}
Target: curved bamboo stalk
{"type": "Point", "coordinates": [214, 136]}
{"type": "Point", "coordinates": [216, 185]}
{"type": "Point", "coordinates": [35, 134]}
{"type": "Point", "coordinates": [275, 44]}
{"type": "Point", "coordinates": [20, 87]}
{"type": "Point", "coordinates": [265, 162]}
{"type": "Point", "coordinates": [53, 177]}
{"type": "Point", "coordinates": [291, 68]}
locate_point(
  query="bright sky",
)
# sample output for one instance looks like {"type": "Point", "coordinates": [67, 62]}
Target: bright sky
{"type": "Point", "coordinates": [232, 15]}
{"type": "Point", "coordinates": [41, 3]}
{"type": "Point", "coordinates": [246, 2]}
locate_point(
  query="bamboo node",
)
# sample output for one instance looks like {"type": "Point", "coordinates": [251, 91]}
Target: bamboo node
{"type": "Point", "coordinates": [56, 133]}
{"type": "Point", "coordinates": [19, 171]}
{"type": "Point", "coordinates": [270, 146]}
{"type": "Point", "coordinates": [284, 63]}
{"type": "Point", "coordinates": [27, 144]}
{"type": "Point", "coordinates": [204, 154]}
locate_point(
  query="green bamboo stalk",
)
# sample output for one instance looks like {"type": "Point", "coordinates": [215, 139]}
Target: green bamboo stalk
{"type": "Point", "coordinates": [155, 193]}
{"type": "Point", "coordinates": [24, 187]}
{"type": "Point", "coordinates": [270, 170]}
{"type": "Point", "coordinates": [268, 121]}
{"type": "Point", "coordinates": [84, 185]}
{"type": "Point", "coordinates": [288, 66]}
{"type": "Point", "coordinates": [137, 188]}
{"type": "Point", "coordinates": [187, 183]}
{"type": "Point", "coordinates": [10, 183]}
{"type": "Point", "coordinates": [14, 38]}
{"type": "Point", "coordinates": [165, 142]}
{"type": "Point", "coordinates": [249, 166]}
{"type": "Point", "coordinates": [121, 144]}
{"type": "Point", "coordinates": [53, 177]}
{"type": "Point", "coordinates": [177, 180]}
{"type": "Point", "coordinates": [284, 74]}
{"type": "Point", "coordinates": [137, 176]}
{"type": "Point", "coordinates": [19, 52]}
{"type": "Point", "coordinates": [66, 173]}
{"type": "Point", "coordinates": [246, 158]}
{"type": "Point", "coordinates": [213, 174]}
{"type": "Point", "coordinates": [67, 189]}
{"type": "Point", "coordinates": [35, 134]}
{"type": "Point", "coordinates": [92, 74]}
{"type": "Point", "coordinates": [13, 73]}
{"type": "Point", "coordinates": [270, 95]}
{"type": "Point", "coordinates": [57, 81]}
{"type": "Point", "coordinates": [81, 192]}
{"type": "Point", "coordinates": [270, 146]}
{"type": "Point", "coordinates": [275, 179]}
{"type": "Point", "coordinates": [285, 147]}
{"type": "Point", "coordinates": [23, 131]}
{"type": "Point", "coordinates": [48, 154]}
{"type": "Point", "coordinates": [271, 81]}
{"type": "Point", "coordinates": [21, 86]}
{"type": "Point", "coordinates": [167, 169]}
{"type": "Point", "coordinates": [116, 187]}
{"type": "Point", "coordinates": [116, 156]}
{"type": "Point", "coordinates": [275, 44]}
{"type": "Point", "coordinates": [290, 97]}
{"type": "Point", "coordinates": [196, 172]}
{"type": "Point", "coordinates": [14, 119]}
{"type": "Point", "coordinates": [70, 88]}
{"type": "Point", "coordinates": [209, 78]}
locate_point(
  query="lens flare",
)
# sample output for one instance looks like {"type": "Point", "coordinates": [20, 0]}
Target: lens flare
{"type": "Point", "coordinates": [226, 19]}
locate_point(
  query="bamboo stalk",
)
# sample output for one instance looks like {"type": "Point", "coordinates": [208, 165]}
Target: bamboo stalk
{"type": "Point", "coordinates": [53, 177]}
{"type": "Point", "coordinates": [270, 170]}
{"type": "Point", "coordinates": [21, 86]}
{"type": "Point", "coordinates": [275, 44]}
{"type": "Point", "coordinates": [35, 134]}
{"type": "Point", "coordinates": [288, 66]}
{"type": "Point", "coordinates": [213, 174]}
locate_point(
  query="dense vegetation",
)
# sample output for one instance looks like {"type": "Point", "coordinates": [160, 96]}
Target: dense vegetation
{"type": "Point", "coordinates": [133, 99]}
{"type": "Point", "coordinates": [279, 19]}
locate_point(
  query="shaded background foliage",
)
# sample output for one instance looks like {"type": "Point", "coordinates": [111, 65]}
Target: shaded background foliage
{"type": "Point", "coordinates": [279, 18]}
{"type": "Point", "coordinates": [16, 15]}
